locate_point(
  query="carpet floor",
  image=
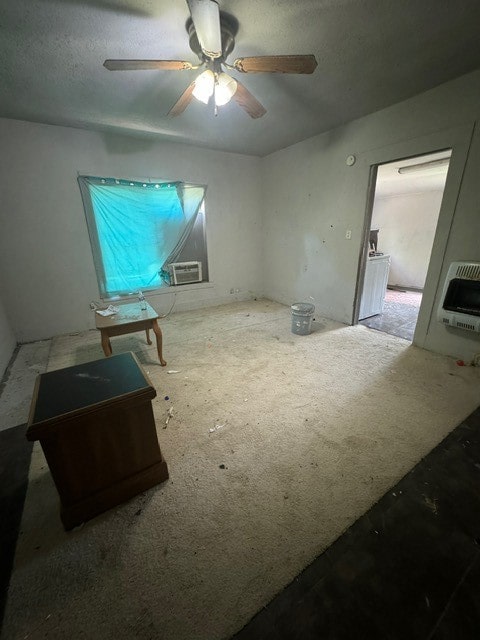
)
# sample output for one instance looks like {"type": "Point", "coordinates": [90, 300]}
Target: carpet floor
{"type": "Point", "coordinates": [277, 444]}
{"type": "Point", "coordinates": [408, 568]}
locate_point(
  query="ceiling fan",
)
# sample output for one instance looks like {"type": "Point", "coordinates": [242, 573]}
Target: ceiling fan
{"type": "Point", "coordinates": [212, 38]}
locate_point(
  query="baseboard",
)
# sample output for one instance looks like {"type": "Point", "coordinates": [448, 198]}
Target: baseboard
{"type": "Point", "coordinates": [399, 287]}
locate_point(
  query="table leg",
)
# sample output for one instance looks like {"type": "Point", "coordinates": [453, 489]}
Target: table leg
{"type": "Point", "coordinates": [158, 335]}
{"type": "Point", "coordinates": [147, 331]}
{"type": "Point", "coordinates": [107, 347]}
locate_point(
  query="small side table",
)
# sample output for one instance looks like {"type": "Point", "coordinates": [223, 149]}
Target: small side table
{"type": "Point", "coordinates": [130, 319]}
{"type": "Point", "coordinates": [96, 427]}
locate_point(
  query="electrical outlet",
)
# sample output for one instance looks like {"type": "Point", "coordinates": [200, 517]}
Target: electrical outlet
{"type": "Point", "coordinates": [348, 235]}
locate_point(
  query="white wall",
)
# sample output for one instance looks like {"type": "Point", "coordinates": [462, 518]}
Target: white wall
{"type": "Point", "coordinates": [7, 339]}
{"type": "Point", "coordinates": [407, 224]}
{"type": "Point", "coordinates": [45, 255]}
{"type": "Point", "coordinates": [303, 199]}
{"type": "Point", "coordinates": [311, 198]}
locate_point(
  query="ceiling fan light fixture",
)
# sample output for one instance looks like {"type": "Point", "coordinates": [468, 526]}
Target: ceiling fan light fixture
{"type": "Point", "coordinates": [225, 88]}
{"type": "Point", "coordinates": [212, 36]}
{"type": "Point", "coordinates": [204, 86]}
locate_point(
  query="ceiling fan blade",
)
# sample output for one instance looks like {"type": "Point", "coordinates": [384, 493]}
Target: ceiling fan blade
{"type": "Point", "coordinates": [183, 102]}
{"type": "Point", "coordinates": [276, 64]}
{"type": "Point", "coordinates": [206, 20]}
{"type": "Point", "coordinates": [138, 65]}
{"type": "Point", "coordinates": [247, 101]}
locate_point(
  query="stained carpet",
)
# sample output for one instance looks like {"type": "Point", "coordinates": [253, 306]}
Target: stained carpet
{"type": "Point", "coordinates": [277, 444]}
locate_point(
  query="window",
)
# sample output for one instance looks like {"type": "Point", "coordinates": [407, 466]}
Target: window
{"type": "Point", "coordinates": [138, 228]}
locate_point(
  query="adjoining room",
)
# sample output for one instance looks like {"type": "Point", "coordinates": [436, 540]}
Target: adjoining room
{"type": "Point", "coordinates": [407, 201]}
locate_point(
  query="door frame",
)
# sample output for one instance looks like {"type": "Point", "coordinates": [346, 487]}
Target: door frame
{"type": "Point", "coordinates": [459, 141]}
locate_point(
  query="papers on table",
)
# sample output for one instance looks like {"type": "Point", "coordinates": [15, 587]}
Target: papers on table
{"type": "Point", "coordinates": [109, 311]}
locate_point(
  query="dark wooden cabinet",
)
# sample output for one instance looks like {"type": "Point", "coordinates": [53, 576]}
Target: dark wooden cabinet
{"type": "Point", "coordinates": [96, 427]}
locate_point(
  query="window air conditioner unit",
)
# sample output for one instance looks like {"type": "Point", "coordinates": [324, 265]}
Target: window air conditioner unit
{"type": "Point", "coordinates": [185, 272]}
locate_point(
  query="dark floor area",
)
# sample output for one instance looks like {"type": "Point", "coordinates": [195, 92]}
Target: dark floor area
{"type": "Point", "coordinates": [407, 570]}
{"type": "Point", "coordinates": [15, 454]}
{"type": "Point", "coordinates": [400, 313]}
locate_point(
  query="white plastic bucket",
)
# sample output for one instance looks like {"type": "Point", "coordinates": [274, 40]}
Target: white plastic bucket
{"type": "Point", "coordinates": [302, 315]}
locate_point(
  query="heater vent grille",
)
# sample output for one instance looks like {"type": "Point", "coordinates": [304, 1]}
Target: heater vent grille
{"type": "Point", "coordinates": [460, 303]}
{"type": "Point", "coordinates": [468, 271]}
{"type": "Point", "coordinates": [465, 325]}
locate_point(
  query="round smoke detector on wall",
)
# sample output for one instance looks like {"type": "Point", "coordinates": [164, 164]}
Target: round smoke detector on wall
{"type": "Point", "coordinates": [350, 160]}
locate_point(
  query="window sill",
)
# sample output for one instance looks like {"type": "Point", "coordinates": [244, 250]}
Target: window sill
{"type": "Point", "coordinates": [149, 293]}
{"type": "Point", "coordinates": [180, 287]}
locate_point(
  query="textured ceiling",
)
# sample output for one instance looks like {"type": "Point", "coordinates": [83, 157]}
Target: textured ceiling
{"type": "Point", "coordinates": [371, 54]}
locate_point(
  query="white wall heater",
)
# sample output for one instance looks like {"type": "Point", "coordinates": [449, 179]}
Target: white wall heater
{"type": "Point", "coordinates": [185, 272]}
{"type": "Point", "coordinates": [460, 305]}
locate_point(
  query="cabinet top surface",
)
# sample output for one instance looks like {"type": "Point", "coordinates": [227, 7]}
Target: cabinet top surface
{"type": "Point", "coordinates": [78, 388]}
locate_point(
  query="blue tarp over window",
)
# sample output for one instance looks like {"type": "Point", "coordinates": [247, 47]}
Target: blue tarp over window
{"type": "Point", "coordinates": [136, 228]}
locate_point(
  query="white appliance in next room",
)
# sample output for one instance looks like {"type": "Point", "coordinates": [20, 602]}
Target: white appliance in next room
{"type": "Point", "coordinates": [374, 286]}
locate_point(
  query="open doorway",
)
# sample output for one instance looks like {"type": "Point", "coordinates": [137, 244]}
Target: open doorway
{"type": "Point", "coordinates": [406, 205]}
